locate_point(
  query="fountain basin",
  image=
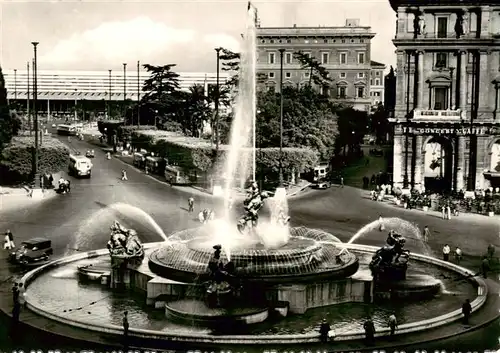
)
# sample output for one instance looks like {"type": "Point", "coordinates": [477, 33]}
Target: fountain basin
{"type": "Point", "coordinates": [193, 311]}
{"type": "Point", "coordinates": [302, 259]}
{"type": "Point", "coordinates": [43, 307]}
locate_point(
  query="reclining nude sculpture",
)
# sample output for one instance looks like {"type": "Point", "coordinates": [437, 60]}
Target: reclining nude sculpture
{"type": "Point", "coordinates": [124, 243]}
{"type": "Point", "coordinates": [390, 262]}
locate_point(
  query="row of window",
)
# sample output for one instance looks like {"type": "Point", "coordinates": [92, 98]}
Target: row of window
{"type": "Point", "coordinates": [341, 75]}
{"type": "Point", "coordinates": [310, 41]}
{"type": "Point", "coordinates": [342, 91]}
{"type": "Point", "coordinates": [325, 58]}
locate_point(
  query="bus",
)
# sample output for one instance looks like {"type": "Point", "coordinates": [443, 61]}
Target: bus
{"type": "Point", "coordinates": [176, 175]}
{"type": "Point", "coordinates": [69, 130]}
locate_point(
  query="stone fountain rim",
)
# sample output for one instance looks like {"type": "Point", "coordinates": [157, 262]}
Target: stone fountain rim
{"type": "Point", "coordinates": [256, 339]}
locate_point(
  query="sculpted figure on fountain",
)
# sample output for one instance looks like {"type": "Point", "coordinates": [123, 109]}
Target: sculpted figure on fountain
{"type": "Point", "coordinates": [220, 287]}
{"type": "Point", "coordinates": [124, 243]}
{"type": "Point", "coordinates": [252, 205]}
{"type": "Point", "coordinates": [391, 261]}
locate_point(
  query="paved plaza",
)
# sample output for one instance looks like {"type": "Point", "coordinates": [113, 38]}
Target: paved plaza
{"type": "Point", "coordinates": [340, 211]}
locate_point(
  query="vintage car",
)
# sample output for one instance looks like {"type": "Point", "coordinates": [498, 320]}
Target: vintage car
{"type": "Point", "coordinates": [322, 184]}
{"type": "Point", "coordinates": [90, 154]}
{"type": "Point", "coordinates": [32, 251]}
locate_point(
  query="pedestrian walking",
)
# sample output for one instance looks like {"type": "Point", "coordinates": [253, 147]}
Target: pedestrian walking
{"type": "Point", "coordinates": [6, 243]}
{"type": "Point", "coordinates": [427, 234]}
{"type": "Point", "coordinates": [125, 329]}
{"type": "Point", "coordinates": [443, 212]}
{"type": "Point", "coordinates": [15, 294]}
{"type": "Point", "coordinates": [448, 212]}
{"type": "Point", "coordinates": [446, 252]}
{"type": "Point", "coordinates": [466, 311]}
{"type": "Point", "coordinates": [369, 328]}
{"type": "Point", "coordinates": [381, 226]}
{"type": "Point", "coordinates": [124, 175]}
{"type": "Point", "coordinates": [11, 238]}
{"type": "Point", "coordinates": [458, 255]}
{"type": "Point", "coordinates": [341, 182]}
{"type": "Point", "coordinates": [485, 266]}
{"type": "Point", "coordinates": [392, 323]}
{"type": "Point", "coordinates": [191, 204]}
{"type": "Point", "coordinates": [324, 329]}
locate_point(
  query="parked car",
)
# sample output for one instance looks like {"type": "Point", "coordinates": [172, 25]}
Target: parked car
{"type": "Point", "coordinates": [32, 251]}
{"type": "Point", "coordinates": [323, 184]}
{"type": "Point", "coordinates": [90, 154]}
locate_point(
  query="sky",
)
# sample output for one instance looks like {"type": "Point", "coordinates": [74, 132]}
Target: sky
{"type": "Point", "coordinates": [102, 35]}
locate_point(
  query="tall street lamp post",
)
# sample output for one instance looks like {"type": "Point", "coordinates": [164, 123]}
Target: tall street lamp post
{"type": "Point", "coordinates": [124, 89]}
{"type": "Point", "coordinates": [282, 51]}
{"type": "Point", "coordinates": [76, 104]}
{"type": "Point", "coordinates": [138, 94]}
{"type": "Point", "coordinates": [217, 50]}
{"type": "Point", "coordinates": [35, 115]}
{"type": "Point", "coordinates": [15, 86]}
{"type": "Point", "coordinates": [28, 112]}
{"type": "Point", "coordinates": [471, 180]}
{"type": "Point", "coordinates": [109, 97]}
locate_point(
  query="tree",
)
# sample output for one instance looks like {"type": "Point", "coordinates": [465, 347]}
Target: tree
{"type": "Point", "coordinates": [9, 124]}
{"type": "Point", "coordinates": [317, 73]}
{"type": "Point", "coordinates": [309, 120]}
{"type": "Point", "coordinates": [379, 123]}
{"type": "Point", "coordinates": [196, 111]}
{"type": "Point", "coordinates": [162, 99]}
{"type": "Point", "coordinates": [352, 126]}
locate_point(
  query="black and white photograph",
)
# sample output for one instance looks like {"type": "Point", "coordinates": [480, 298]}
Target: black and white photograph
{"type": "Point", "coordinates": [239, 176]}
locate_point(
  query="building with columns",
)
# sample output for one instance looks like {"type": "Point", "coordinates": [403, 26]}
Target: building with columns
{"type": "Point", "coordinates": [61, 91]}
{"type": "Point", "coordinates": [446, 117]}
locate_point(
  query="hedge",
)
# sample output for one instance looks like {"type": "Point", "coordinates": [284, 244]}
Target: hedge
{"type": "Point", "coordinates": [109, 127]}
{"type": "Point", "coordinates": [124, 132]}
{"type": "Point", "coordinates": [199, 154]}
{"type": "Point", "coordinates": [16, 160]}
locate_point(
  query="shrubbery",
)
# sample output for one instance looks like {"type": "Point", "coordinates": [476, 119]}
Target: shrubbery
{"type": "Point", "coordinates": [16, 162]}
{"type": "Point", "coordinates": [124, 132]}
{"type": "Point", "coordinates": [194, 153]}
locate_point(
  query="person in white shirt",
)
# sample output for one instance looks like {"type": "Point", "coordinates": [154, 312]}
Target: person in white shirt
{"type": "Point", "coordinates": [381, 226]}
{"type": "Point", "coordinates": [446, 252]}
{"type": "Point", "coordinates": [427, 234]}
{"type": "Point", "coordinates": [458, 254]}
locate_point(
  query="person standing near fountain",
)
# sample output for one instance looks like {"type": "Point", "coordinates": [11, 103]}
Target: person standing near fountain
{"type": "Point", "coordinates": [427, 234]}
{"type": "Point", "coordinates": [369, 328]}
{"type": "Point", "coordinates": [191, 205]}
{"type": "Point", "coordinates": [125, 329]}
{"type": "Point", "coordinates": [381, 226]}
{"type": "Point", "coordinates": [446, 252]}
{"type": "Point", "coordinates": [324, 329]}
{"type": "Point", "coordinates": [466, 311]}
{"type": "Point", "coordinates": [393, 324]}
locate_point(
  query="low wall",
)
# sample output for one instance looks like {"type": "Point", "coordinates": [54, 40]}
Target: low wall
{"type": "Point", "coordinates": [258, 339]}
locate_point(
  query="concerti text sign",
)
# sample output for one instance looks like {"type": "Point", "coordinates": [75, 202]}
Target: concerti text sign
{"type": "Point", "coordinates": [452, 131]}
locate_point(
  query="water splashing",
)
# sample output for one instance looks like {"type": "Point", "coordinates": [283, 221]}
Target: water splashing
{"type": "Point", "coordinates": [99, 222]}
{"type": "Point", "coordinates": [407, 229]}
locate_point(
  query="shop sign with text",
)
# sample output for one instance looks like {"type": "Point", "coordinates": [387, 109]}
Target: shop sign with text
{"type": "Point", "coordinates": [452, 131]}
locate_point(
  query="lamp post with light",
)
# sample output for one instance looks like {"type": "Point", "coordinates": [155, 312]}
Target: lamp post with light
{"type": "Point", "coordinates": [35, 117]}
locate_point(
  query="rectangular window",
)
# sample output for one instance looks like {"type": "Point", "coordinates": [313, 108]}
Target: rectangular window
{"type": "Point", "coordinates": [341, 92]}
{"type": "Point", "coordinates": [288, 74]}
{"type": "Point", "coordinates": [271, 75]}
{"type": "Point", "coordinates": [440, 98]}
{"type": "Point", "coordinates": [343, 58]}
{"type": "Point", "coordinates": [441, 60]}
{"type": "Point", "coordinates": [361, 58]}
{"type": "Point", "coordinates": [371, 81]}
{"type": "Point", "coordinates": [324, 58]}
{"type": "Point", "coordinates": [272, 58]}
{"type": "Point", "coordinates": [377, 73]}
{"type": "Point", "coordinates": [377, 82]}
{"type": "Point", "coordinates": [343, 40]}
{"type": "Point", "coordinates": [442, 27]}
{"type": "Point", "coordinates": [361, 75]}
{"type": "Point", "coordinates": [306, 74]}
{"type": "Point", "coordinates": [360, 92]}
{"type": "Point", "coordinates": [343, 75]}
{"type": "Point", "coordinates": [288, 58]}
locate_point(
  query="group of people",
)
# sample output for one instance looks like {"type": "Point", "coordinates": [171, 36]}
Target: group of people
{"type": "Point", "coordinates": [64, 185]}
{"type": "Point", "coordinates": [8, 241]}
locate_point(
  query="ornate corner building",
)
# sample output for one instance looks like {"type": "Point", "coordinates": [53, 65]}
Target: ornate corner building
{"type": "Point", "coordinates": [446, 116]}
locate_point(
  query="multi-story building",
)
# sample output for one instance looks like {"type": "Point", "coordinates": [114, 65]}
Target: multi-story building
{"type": "Point", "coordinates": [59, 91]}
{"type": "Point", "coordinates": [377, 82]}
{"type": "Point", "coordinates": [446, 113]}
{"type": "Point", "coordinates": [343, 51]}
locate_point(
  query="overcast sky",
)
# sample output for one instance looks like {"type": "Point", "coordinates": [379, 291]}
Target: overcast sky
{"type": "Point", "coordinates": [101, 35]}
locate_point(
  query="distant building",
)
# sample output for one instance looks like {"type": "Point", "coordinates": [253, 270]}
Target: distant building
{"type": "Point", "coordinates": [59, 91]}
{"type": "Point", "coordinates": [377, 82]}
{"type": "Point", "coordinates": [343, 51]}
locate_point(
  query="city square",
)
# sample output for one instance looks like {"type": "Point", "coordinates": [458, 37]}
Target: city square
{"type": "Point", "coordinates": [197, 211]}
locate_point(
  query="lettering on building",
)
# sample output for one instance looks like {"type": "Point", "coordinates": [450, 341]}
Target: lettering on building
{"type": "Point", "coordinates": [449, 131]}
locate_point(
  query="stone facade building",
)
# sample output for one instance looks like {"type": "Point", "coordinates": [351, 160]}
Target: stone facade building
{"type": "Point", "coordinates": [344, 51]}
{"type": "Point", "coordinates": [446, 117]}
{"type": "Point", "coordinates": [377, 82]}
